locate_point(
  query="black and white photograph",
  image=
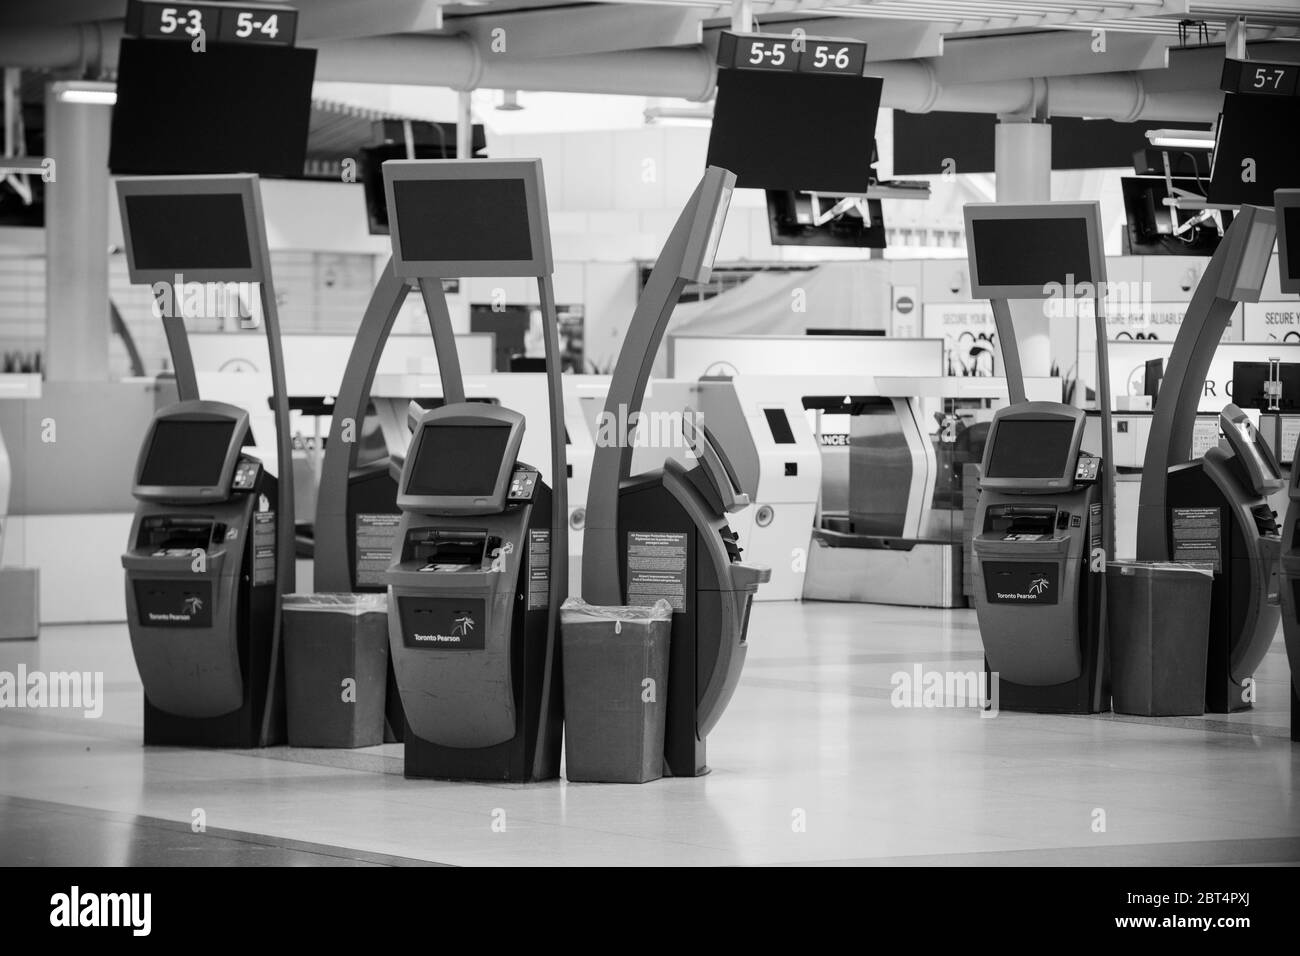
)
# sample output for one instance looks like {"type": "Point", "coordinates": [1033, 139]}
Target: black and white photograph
{"type": "Point", "coordinates": [752, 434]}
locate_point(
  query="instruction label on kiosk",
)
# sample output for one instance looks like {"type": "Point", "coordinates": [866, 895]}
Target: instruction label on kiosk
{"type": "Point", "coordinates": [263, 548]}
{"type": "Point", "coordinates": [1197, 533]}
{"type": "Point", "coordinates": [656, 568]}
{"type": "Point", "coordinates": [539, 569]}
{"type": "Point", "coordinates": [375, 536]}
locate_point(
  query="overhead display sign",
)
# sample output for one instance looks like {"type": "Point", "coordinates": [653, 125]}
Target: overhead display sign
{"type": "Point", "coordinates": [1258, 77]}
{"type": "Point", "coordinates": [216, 22]}
{"type": "Point", "coordinates": [791, 54]}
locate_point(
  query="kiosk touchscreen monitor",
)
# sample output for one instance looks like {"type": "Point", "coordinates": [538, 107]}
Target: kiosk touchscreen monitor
{"type": "Point", "coordinates": [1031, 448]}
{"type": "Point", "coordinates": [1286, 207]}
{"type": "Point", "coordinates": [1033, 250]}
{"type": "Point", "coordinates": [200, 228]}
{"type": "Point", "coordinates": [461, 461]}
{"type": "Point", "coordinates": [473, 469]}
{"type": "Point", "coordinates": [189, 455]}
{"type": "Point", "coordinates": [1032, 451]}
{"type": "Point", "coordinates": [456, 219]}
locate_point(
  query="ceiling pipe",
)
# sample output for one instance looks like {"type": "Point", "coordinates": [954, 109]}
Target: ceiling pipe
{"type": "Point", "coordinates": [86, 49]}
{"type": "Point", "coordinates": [1180, 93]}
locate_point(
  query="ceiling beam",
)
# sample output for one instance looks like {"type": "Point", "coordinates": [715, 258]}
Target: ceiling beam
{"type": "Point", "coordinates": [572, 31]}
{"type": "Point", "coordinates": [346, 19]}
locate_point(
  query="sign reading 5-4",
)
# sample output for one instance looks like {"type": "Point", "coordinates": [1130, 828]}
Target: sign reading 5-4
{"type": "Point", "coordinates": [217, 22]}
{"type": "Point", "coordinates": [791, 54]}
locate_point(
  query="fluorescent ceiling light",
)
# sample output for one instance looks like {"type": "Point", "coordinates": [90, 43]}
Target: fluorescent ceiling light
{"type": "Point", "coordinates": [86, 92]}
{"type": "Point", "coordinates": [1181, 138]}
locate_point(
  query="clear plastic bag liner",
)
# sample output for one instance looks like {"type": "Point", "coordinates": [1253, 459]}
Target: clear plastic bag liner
{"type": "Point", "coordinates": [353, 605]}
{"type": "Point", "coordinates": [1149, 568]}
{"type": "Point", "coordinates": [577, 611]}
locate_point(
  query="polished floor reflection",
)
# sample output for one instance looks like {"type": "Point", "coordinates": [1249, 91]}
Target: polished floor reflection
{"type": "Point", "coordinates": [812, 763]}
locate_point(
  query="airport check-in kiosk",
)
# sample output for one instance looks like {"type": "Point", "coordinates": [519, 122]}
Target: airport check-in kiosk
{"type": "Point", "coordinates": [1286, 209]}
{"type": "Point", "coordinates": [1036, 524]}
{"type": "Point", "coordinates": [1042, 532]}
{"type": "Point", "coordinates": [1214, 508]}
{"type": "Point", "coordinates": [664, 534]}
{"type": "Point", "coordinates": [481, 557]}
{"type": "Point", "coordinates": [211, 550]}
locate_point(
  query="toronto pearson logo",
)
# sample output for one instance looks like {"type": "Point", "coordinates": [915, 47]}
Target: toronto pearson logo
{"type": "Point", "coordinates": [1038, 585]}
{"type": "Point", "coordinates": [463, 625]}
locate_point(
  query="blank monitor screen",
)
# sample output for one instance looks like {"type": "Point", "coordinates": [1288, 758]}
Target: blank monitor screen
{"type": "Point", "coordinates": [463, 220]}
{"type": "Point", "coordinates": [801, 131]}
{"type": "Point", "coordinates": [458, 461]}
{"type": "Point", "coordinates": [182, 232]}
{"type": "Point", "coordinates": [1248, 386]}
{"type": "Point", "coordinates": [1289, 223]}
{"type": "Point", "coordinates": [1249, 130]}
{"type": "Point", "coordinates": [235, 108]}
{"type": "Point", "coordinates": [1031, 252]}
{"type": "Point", "coordinates": [1031, 448]}
{"type": "Point", "coordinates": [186, 454]}
{"type": "Point", "coordinates": [779, 425]}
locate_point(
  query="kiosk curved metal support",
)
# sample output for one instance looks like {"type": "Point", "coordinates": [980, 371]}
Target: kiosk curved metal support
{"type": "Point", "coordinates": [686, 257]}
{"type": "Point", "coordinates": [331, 532]}
{"type": "Point", "coordinates": [332, 553]}
{"type": "Point", "coordinates": [1208, 314]}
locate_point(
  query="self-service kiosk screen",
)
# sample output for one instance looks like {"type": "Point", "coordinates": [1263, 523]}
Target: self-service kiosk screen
{"type": "Point", "coordinates": [186, 454]}
{"type": "Point", "coordinates": [1031, 252]}
{"type": "Point", "coordinates": [458, 460]}
{"type": "Point", "coordinates": [176, 232]}
{"type": "Point", "coordinates": [463, 220]}
{"type": "Point", "coordinates": [1031, 448]}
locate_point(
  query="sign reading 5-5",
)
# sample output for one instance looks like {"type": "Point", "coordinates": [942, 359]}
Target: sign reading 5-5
{"type": "Point", "coordinates": [791, 54]}
{"type": "Point", "coordinates": [216, 22]}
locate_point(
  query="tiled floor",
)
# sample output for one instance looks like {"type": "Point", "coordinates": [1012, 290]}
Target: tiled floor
{"type": "Point", "coordinates": [811, 763]}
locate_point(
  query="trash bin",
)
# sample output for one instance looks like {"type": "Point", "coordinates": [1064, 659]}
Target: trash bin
{"type": "Point", "coordinates": [1158, 616]}
{"type": "Point", "coordinates": [335, 668]}
{"type": "Point", "coordinates": [615, 690]}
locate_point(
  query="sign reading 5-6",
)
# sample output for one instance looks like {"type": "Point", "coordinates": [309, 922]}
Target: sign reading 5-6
{"type": "Point", "coordinates": [791, 54]}
{"type": "Point", "coordinates": [216, 22]}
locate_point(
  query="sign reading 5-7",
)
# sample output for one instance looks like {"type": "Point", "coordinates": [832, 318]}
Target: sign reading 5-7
{"type": "Point", "coordinates": [216, 22]}
{"type": "Point", "coordinates": [1256, 76]}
